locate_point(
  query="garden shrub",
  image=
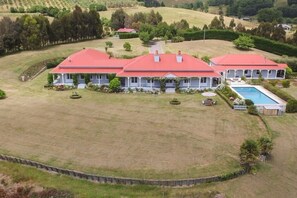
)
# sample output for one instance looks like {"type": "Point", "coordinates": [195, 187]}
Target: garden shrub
{"type": "Point", "coordinates": [286, 83]}
{"type": "Point", "coordinates": [2, 94]}
{"type": "Point", "coordinates": [273, 82]}
{"type": "Point", "coordinates": [163, 85]}
{"type": "Point", "coordinates": [109, 44]}
{"type": "Point", "coordinates": [87, 78]}
{"type": "Point", "coordinates": [291, 106]}
{"type": "Point", "coordinates": [230, 103]}
{"type": "Point", "coordinates": [111, 77]}
{"type": "Point", "coordinates": [249, 102]}
{"type": "Point", "coordinates": [50, 79]}
{"type": "Point", "coordinates": [75, 79]}
{"type": "Point", "coordinates": [53, 62]}
{"type": "Point", "coordinates": [252, 109]}
{"type": "Point", "coordinates": [265, 145]}
{"type": "Point", "coordinates": [227, 91]}
{"type": "Point", "coordinates": [280, 93]}
{"type": "Point", "coordinates": [244, 43]}
{"type": "Point", "coordinates": [115, 85]}
{"type": "Point", "coordinates": [127, 46]}
{"type": "Point", "coordinates": [177, 39]}
{"type": "Point", "coordinates": [128, 35]}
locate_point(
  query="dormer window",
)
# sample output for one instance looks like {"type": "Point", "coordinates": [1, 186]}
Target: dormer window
{"type": "Point", "coordinates": [156, 56]}
{"type": "Point", "coordinates": [179, 57]}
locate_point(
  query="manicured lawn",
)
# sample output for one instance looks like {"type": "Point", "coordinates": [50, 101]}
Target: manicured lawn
{"type": "Point", "coordinates": [133, 135]}
{"type": "Point", "coordinates": [212, 48]}
{"type": "Point", "coordinates": [292, 90]}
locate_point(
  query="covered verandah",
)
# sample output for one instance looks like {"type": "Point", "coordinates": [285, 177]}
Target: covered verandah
{"type": "Point", "coordinates": [255, 73]}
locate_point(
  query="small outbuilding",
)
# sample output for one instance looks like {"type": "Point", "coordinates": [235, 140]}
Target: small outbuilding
{"type": "Point", "coordinates": [126, 30]}
{"type": "Point", "coordinates": [272, 111]}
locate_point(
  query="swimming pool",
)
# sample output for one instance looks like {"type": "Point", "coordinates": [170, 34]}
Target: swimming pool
{"type": "Point", "coordinates": [254, 94]}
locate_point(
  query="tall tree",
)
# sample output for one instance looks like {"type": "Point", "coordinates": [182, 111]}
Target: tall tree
{"type": "Point", "coordinates": [270, 15]}
{"type": "Point", "coordinates": [118, 19]}
{"type": "Point", "coordinates": [76, 22]}
{"type": "Point", "coordinates": [232, 24]}
{"type": "Point", "coordinates": [95, 24]}
{"type": "Point", "coordinates": [154, 18]}
{"type": "Point", "coordinates": [215, 24]}
{"type": "Point", "coordinates": [279, 34]}
{"type": "Point", "coordinates": [30, 34]}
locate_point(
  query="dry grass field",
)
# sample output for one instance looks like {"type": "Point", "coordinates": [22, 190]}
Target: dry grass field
{"type": "Point", "coordinates": [171, 15]}
{"type": "Point", "coordinates": [211, 48]}
{"type": "Point", "coordinates": [136, 135]}
{"type": "Point", "coordinates": [125, 134]}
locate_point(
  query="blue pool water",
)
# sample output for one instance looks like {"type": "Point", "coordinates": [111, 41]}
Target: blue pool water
{"type": "Point", "coordinates": [254, 94]}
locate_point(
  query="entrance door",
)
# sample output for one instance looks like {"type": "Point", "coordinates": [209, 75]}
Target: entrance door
{"type": "Point", "coordinates": [170, 83]}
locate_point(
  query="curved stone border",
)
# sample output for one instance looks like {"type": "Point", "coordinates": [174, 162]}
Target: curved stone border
{"type": "Point", "coordinates": [120, 180]}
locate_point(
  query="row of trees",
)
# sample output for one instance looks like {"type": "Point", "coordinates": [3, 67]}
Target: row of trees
{"type": "Point", "coordinates": [265, 29]}
{"type": "Point", "coordinates": [32, 32]}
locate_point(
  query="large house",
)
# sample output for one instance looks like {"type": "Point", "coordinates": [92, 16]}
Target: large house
{"type": "Point", "coordinates": [147, 71]}
{"type": "Point", "coordinates": [140, 72]}
{"type": "Point", "coordinates": [251, 66]}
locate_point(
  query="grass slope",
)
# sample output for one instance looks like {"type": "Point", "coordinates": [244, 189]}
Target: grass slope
{"type": "Point", "coordinates": [176, 14]}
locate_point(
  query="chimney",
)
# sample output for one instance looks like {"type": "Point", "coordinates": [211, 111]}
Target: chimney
{"type": "Point", "coordinates": [156, 56]}
{"type": "Point", "coordinates": [179, 57]}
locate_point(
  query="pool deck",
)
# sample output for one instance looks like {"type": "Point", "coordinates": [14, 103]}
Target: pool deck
{"type": "Point", "coordinates": [281, 103]}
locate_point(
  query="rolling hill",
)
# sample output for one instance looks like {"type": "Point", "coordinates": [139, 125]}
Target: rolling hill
{"type": "Point", "coordinates": [176, 14]}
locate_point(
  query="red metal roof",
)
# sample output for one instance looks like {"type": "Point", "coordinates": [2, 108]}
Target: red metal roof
{"type": "Point", "coordinates": [93, 61]}
{"type": "Point", "coordinates": [58, 70]}
{"type": "Point", "coordinates": [243, 59]}
{"type": "Point", "coordinates": [166, 74]}
{"type": "Point", "coordinates": [168, 62]}
{"type": "Point", "coordinates": [126, 30]}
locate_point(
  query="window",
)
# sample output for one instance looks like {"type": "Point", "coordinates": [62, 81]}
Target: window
{"type": "Point", "coordinates": [169, 81]}
{"type": "Point", "coordinates": [186, 81]}
{"type": "Point", "coordinates": [82, 76]}
{"type": "Point", "coordinates": [228, 71]}
{"type": "Point", "coordinates": [91, 77]}
{"type": "Point", "coordinates": [269, 71]}
{"type": "Point", "coordinates": [203, 80]}
{"type": "Point", "coordinates": [246, 71]}
{"type": "Point", "coordinates": [258, 72]}
{"type": "Point", "coordinates": [134, 79]}
{"type": "Point", "coordinates": [68, 76]}
{"type": "Point", "coordinates": [150, 81]}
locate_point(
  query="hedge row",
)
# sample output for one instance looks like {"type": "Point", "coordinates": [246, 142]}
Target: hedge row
{"type": "Point", "coordinates": [211, 34]}
{"type": "Point", "coordinates": [260, 42]}
{"type": "Point", "coordinates": [280, 93]}
{"type": "Point", "coordinates": [225, 98]}
{"type": "Point", "coordinates": [128, 35]}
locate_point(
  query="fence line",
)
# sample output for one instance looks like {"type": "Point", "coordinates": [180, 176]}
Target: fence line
{"type": "Point", "coordinates": [121, 180]}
